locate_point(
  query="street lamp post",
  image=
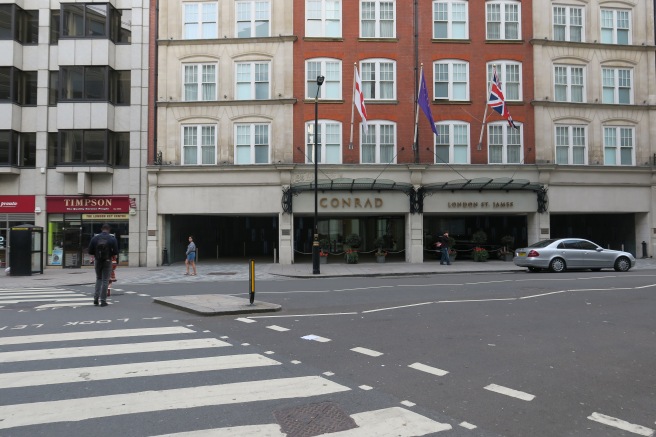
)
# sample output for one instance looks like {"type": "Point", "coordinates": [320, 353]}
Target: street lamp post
{"type": "Point", "coordinates": [315, 244]}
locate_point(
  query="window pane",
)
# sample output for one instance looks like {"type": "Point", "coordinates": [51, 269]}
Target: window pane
{"type": "Point", "coordinates": [94, 146]}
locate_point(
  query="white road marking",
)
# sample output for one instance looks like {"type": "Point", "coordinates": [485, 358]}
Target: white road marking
{"type": "Point", "coordinates": [37, 294]}
{"type": "Point", "coordinates": [110, 349]}
{"type": "Point", "coordinates": [467, 425]}
{"type": "Point", "coordinates": [475, 300]}
{"type": "Point", "coordinates": [35, 289]}
{"type": "Point", "coordinates": [365, 351]}
{"type": "Point", "coordinates": [70, 304]}
{"type": "Point", "coordinates": [510, 392]}
{"type": "Point", "coordinates": [543, 294]}
{"type": "Point", "coordinates": [428, 369]}
{"type": "Point", "coordinates": [70, 410]}
{"type": "Point", "coordinates": [245, 320]}
{"type": "Point", "coordinates": [277, 328]}
{"type": "Point", "coordinates": [272, 430]}
{"type": "Point", "coordinates": [301, 315]}
{"type": "Point", "coordinates": [52, 299]}
{"type": "Point", "coordinates": [132, 370]}
{"type": "Point", "coordinates": [94, 335]}
{"type": "Point", "coordinates": [621, 424]}
{"type": "Point", "coordinates": [316, 338]}
{"type": "Point", "coordinates": [397, 307]}
{"type": "Point", "coordinates": [408, 403]}
{"type": "Point", "coordinates": [366, 288]}
{"type": "Point", "coordinates": [366, 387]}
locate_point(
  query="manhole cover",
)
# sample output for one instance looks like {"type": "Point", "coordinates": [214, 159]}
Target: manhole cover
{"type": "Point", "coordinates": [313, 419]}
{"type": "Point", "coordinates": [221, 273]}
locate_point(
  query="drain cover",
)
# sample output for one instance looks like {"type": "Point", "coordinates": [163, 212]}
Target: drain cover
{"type": "Point", "coordinates": [313, 419]}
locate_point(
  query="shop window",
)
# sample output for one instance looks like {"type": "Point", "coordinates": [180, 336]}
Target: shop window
{"type": "Point", "coordinates": [19, 25]}
{"type": "Point", "coordinates": [17, 149]}
{"type": "Point", "coordinates": [19, 87]}
{"type": "Point", "coordinates": [95, 147]}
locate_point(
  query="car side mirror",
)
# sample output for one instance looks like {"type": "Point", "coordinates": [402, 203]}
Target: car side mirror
{"type": "Point", "coordinates": [600, 249]}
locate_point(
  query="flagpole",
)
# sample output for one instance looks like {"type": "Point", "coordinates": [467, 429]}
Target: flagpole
{"type": "Point", "coordinates": [352, 108]}
{"type": "Point", "coordinates": [487, 97]}
{"type": "Point", "coordinates": [414, 142]}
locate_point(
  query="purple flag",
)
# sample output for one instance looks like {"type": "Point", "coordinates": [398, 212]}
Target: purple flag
{"type": "Point", "coordinates": [424, 103]}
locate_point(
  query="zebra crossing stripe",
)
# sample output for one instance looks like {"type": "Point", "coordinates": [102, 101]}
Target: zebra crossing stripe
{"type": "Point", "coordinates": [70, 304]}
{"type": "Point", "coordinates": [132, 370]}
{"type": "Point", "coordinates": [52, 299]}
{"type": "Point", "coordinates": [112, 349]}
{"type": "Point", "coordinates": [94, 335]}
{"type": "Point", "coordinates": [389, 421]}
{"type": "Point", "coordinates": [34, 289]}
{"type": "Point", "coordinates": [36, 293]}
{"type": "Point", "coordinates": [69, 410]}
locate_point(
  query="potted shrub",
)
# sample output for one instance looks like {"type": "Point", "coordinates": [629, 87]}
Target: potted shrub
{"type": "Point", "coordinates": [380, 253]}
{"type": "Point", "coordinates": [452, 251]}
{"type": "Point", "coordinates": [351, 254]}
{"type": "Point", "coordinates": [323, 257]}
{"type": "Point", "coordinates": [506, 253]}
{"type": "Point", "coordinates": [480, 253]}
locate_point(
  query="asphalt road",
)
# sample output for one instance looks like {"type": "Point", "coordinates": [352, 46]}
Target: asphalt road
{"type": "Point", "coordinates": [513, 354]}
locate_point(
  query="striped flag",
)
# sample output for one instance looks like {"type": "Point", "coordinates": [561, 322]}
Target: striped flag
{"type": "Point", "coordinates": [497, 101]}
{"type": "Point", "coordinates": [358, 100]}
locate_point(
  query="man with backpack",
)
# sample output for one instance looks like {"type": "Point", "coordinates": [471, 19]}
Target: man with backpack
{"type": "Point", "coordinates": [103, 247]}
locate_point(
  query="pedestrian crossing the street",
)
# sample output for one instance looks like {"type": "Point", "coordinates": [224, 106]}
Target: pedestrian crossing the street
{"type": "Point", "coordinates": [169, 381]}
{"type": "Point", "coordinates": [42, 298]}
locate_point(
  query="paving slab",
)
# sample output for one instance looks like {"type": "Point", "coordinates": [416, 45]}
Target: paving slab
{"type": "Point", "coordinates": [216, 304]}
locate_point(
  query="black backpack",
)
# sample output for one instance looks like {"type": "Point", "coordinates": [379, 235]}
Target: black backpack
{"type": "Point", "coordinates": [102, 249]}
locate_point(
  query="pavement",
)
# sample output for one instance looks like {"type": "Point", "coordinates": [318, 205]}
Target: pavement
{"type": "Point", "coordinates": [210, 305]}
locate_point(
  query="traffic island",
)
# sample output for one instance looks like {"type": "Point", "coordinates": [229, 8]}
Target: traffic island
{"type": "Point", "coordinates": [216, 304]}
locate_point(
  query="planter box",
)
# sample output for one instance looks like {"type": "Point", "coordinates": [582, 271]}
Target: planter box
{"type": "Point", "coordinates": [380, 258]}
{"type": "Point", "coordinates": [323, 260]}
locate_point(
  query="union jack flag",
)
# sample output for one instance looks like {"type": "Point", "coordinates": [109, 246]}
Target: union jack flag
{"type": "Point", "coordinates": [497, 101]}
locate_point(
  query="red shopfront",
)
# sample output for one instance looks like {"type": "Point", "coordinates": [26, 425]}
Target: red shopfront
{"type": "Point", "coordinates": [74, 220]}
{"type": "Point", "coordinates": [14, 211]}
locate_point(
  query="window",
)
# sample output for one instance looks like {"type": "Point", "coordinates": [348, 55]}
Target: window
{"type": "Point", "coordinates": [571, 145]}
{"type": "Point", "coordinates": [199, 145]}
{"type": "Point", "coordinates": [510, 76]}
{"type": "Point", "coordinates": [17, 149]}
{"type": "Point", "coordinates": [504, 143]}
{"type": "Point", "coordinates": [452, 142]}
{"type": "Point", "coordinates": [120, 30]}
{"type": "Point", "coordinates": [19, 25]}
{"type": "Point", "coordinates": [53, 87]}
{"type": "Point", "coordinates": [378, 79]}
{"type": "Point", "coordinates": [323, 18]}
{"type": "Point", "coordinates": [200, 20]}
{"type": "Point", "coordinates": [377, 19]}
{"type": "Point", "coordinates": [87, 83]}
{"type": "Point", "coordinates": [615, 26]}
{"type": "Point", "coordinates": [252, 80]}
{"type": "Point", "coordinates": [569, 84]}
{"type": "Point", "coordinates": [568, 23]}
{"type": "Point", "coordinates": [329, 142]}
{"type": "Point", "coordinates": [450, 20]}
{"type": "Point", "coordinates": [253, 19]}
{"type": "Point", "coordinates": [91, 20]}
{"type": "Point", "coordinates": [199, 82]}
{"type": "Point", "coordinates": [378, 144]}
{"type": "Point", "coordinates": [55, 26]}
{"type": "Point", "coordinates": [252, 143]}
{"type": "Point", "coordinates": [331, 69]}
{"type": "Point", "coordinates": [617, 85]}
{"type": "Point", "coordinates": [451, 80]}
{"type": "Point", "coordinates": [618, 146]}
{"type": "Point", "coordinates": [19, 87]}
{"type": "Point", "coordinates": [92, 147]}
{"type": "Point", "coordinates": [502, 20]}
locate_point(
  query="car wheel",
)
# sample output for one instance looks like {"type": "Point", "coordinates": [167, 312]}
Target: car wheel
{"type": "Point", "coordinates": [557, 265]}
{"type": "Point", "coordinates": [622, 264]}
{"type": "Point", "coordinates": [533, 269]}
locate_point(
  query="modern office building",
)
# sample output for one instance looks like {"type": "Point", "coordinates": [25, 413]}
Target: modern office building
{"type": "Point", "coordinates": [73, 125]}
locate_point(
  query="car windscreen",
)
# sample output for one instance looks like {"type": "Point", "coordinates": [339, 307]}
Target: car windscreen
{"type": "Point", "coordinates": [543, 243]}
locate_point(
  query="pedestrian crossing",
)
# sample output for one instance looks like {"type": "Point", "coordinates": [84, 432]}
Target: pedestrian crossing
{"type": "Point", "coordinates": [163, 379]}
{"type": "Point", "coordinates": [43, 297]}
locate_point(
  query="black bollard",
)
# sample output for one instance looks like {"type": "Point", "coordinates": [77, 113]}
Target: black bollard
{"type": "Point", "coordinates": [165, 257]}
{"type": "Point", "coordinates": [644, 249]}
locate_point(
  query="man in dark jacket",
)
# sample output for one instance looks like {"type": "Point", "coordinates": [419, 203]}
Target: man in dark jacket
{"type": "Point", "coordinates": [443, 241]}
{"type": "Point", "coordinates": [102, 247]}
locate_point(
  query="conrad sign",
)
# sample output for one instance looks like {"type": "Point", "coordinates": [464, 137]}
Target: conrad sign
{"type": "Point", "coordinates": [351, 202]}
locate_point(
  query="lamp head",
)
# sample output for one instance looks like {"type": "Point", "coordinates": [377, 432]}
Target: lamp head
{"type": "Point", "coordinates": [320, 80]}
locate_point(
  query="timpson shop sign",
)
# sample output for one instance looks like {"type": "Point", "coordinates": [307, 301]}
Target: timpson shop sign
{"type": "Point", "coordinates": [88, 204]}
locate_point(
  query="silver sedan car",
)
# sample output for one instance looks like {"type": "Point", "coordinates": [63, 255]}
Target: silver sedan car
{"type": "Point", "coordinates": [561, 254]}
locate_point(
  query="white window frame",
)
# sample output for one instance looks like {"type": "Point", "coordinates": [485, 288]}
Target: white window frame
{"type": "Point", "coordinates": [451, 124]}
{"type": "Point", "coordinates": [568, 84]}
{"type": "Point", "coordinates": [616, 85]}
{"type": "Point", "coordinates": [322, 142]}
{"type": "Point", "coordinates": [200, 81]}
{"type": "Point", "coordinates": [254, 17]}
{"type": "Point", "coordinates": [451, 79]}
{"type": "Point", "coordinates": [568, 24]}
{"type": "Point", "coordinates": [366, 80]}
{"type": "Point", "coordinates": [502, 73]}
{"type": "Point", "coordinates": [378, 21]}
{"type": "Point", "coordinates": [374, 128]}
{"type": "Point", "coordinates": [316, 26]}
{"type": "Point", "coordinates": [506, 130]}
{"type": "Point", "coordinates": [252, 79]}
{"type": "Point", "coordinates": [570, 142]}
{"type": "Point", "coordinates": [252, 145]}
{"type": "Point", "coordinates": [199, 143]}
{"type": "Point", "coordinates": [615, 150]}
{"type": "Point", "coordinates": [450, 19]}
{"type": "Point", "coordinates": [504, 6]}
{"type": "Point", "coordinates": [614, 28]}
{"type": "Point", "coordinates": [331, 70]}
{"type": "Point", "coordinates": [207, 25]}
